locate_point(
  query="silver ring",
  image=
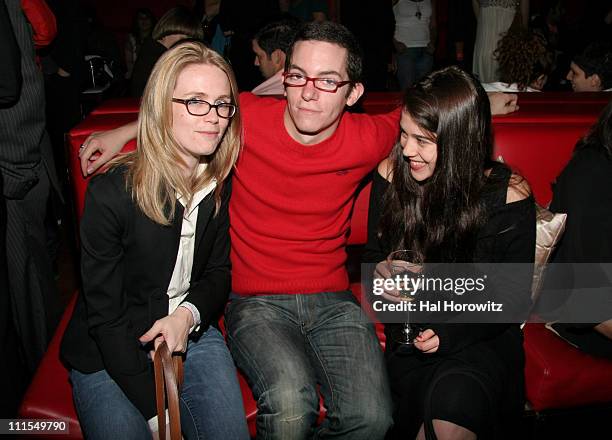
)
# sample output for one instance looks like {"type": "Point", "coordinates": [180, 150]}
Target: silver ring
{"type": "Point", "coordinates": [82, 146]}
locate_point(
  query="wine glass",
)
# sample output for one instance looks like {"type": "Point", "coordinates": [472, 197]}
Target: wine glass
{"type": "Point", "coordinates": [405, 264]}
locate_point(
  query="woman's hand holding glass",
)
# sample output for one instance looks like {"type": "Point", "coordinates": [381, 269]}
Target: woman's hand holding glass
{"type": "Point", "coordinates": [427, 341]}
{"type": "Point", "coordinates": [406, 263]}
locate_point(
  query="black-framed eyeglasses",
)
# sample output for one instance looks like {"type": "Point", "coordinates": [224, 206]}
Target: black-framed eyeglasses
{"type": "Point", "coordinates": [324, 84]}
{"type": "Point", "coordinates": [199, 107]}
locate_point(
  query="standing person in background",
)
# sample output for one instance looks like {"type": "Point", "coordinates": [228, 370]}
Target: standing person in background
{"type": "Point", "coordinates": [175, 25]}
{"type": "Point", "coordinates": [415, 39]}
{"type": "Point", "coordinates": [494, 19]}
{"type": "Point", "coordinates": [28, 173]}
{"type": "Point", "coordinates": [142, 26]}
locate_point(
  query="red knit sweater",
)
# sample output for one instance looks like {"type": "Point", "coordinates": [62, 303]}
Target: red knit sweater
{"type": "Point", "coordinates": [291, 203]}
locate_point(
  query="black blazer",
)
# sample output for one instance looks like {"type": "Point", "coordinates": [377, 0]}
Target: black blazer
{"type": "Point", "coordinates": [127, 262]}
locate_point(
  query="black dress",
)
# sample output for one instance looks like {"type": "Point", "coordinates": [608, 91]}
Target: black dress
{"type": "Point", "coordinates": [476, 377]}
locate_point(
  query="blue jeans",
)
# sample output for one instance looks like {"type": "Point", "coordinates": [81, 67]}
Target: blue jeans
{"type": "Point", "coordinates": [210, 400]}
{"type": "Point", "coordinates": [290, 346]}
{"type": "Point", "coordinates": [412, 65]}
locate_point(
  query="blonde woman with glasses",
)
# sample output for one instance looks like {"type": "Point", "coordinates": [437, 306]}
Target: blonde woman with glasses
{"type": "Point", "coordinates": [155, 260]}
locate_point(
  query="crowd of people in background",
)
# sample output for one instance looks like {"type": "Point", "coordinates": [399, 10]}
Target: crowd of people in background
{"type": "Point", "coordinates": [277, 48]}
{"type": "Point", "coordinates": [402, 40]}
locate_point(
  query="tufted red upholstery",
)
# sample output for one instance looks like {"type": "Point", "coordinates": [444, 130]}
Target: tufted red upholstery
{"type": "Point", "coordinates": [537, 141]}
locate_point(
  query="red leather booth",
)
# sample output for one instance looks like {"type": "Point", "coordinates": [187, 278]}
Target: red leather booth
{"type": "Point", "coordinates": [537, 141]}
{"type": "Point", "coordinates": [381, 102]}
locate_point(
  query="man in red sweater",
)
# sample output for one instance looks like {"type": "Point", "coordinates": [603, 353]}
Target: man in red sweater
{"type": "Point", "coordinates": [293, 326]}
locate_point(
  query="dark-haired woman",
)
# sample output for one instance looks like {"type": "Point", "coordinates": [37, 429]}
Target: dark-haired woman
{"type": "Point", "coordinates": [525, 61]}
{"type": "Point", "coordinates": [584, 192]}
{"type": "Point", "coordinates": [440, 195]}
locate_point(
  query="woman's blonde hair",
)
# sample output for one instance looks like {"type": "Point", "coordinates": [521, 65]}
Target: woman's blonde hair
{"type": "Point", "coordinates": [155, 170]}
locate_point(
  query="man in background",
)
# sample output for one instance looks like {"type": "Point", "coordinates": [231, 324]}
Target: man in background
{"type": "Point", "coordinates": [270, 46]}
{"type": "Point", "coordinates": [591, 71]}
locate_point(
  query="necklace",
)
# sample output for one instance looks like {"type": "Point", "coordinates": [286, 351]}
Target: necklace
{"type": "Point", "coordinates": [418, 14]}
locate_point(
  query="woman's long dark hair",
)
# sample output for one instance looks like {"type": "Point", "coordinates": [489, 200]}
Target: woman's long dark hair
{"type": "Point", "coordinates": [439, 218]}
{"type": "Point", "coordinates": [600, 134]}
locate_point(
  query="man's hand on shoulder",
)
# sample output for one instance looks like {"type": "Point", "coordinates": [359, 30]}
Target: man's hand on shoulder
{"type": "Point", "coordinates": [102, 146]}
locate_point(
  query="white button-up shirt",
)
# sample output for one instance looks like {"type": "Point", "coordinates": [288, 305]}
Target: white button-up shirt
{"type": "Point", "coordinates": [181, 276]}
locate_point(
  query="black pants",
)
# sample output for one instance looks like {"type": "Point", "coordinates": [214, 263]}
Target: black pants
{"type": "Point", "coordinates": [35, 300]}
{"type": "Point", "coordinates": [12, 377]}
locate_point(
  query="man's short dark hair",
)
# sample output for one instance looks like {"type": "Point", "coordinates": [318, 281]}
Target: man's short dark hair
{"type": "Point", "coordinates": [335, 33]}
{"type": "Point", "coordinates": [596, 59]}
{"type": "Point", "coordinates": [277, 35]}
